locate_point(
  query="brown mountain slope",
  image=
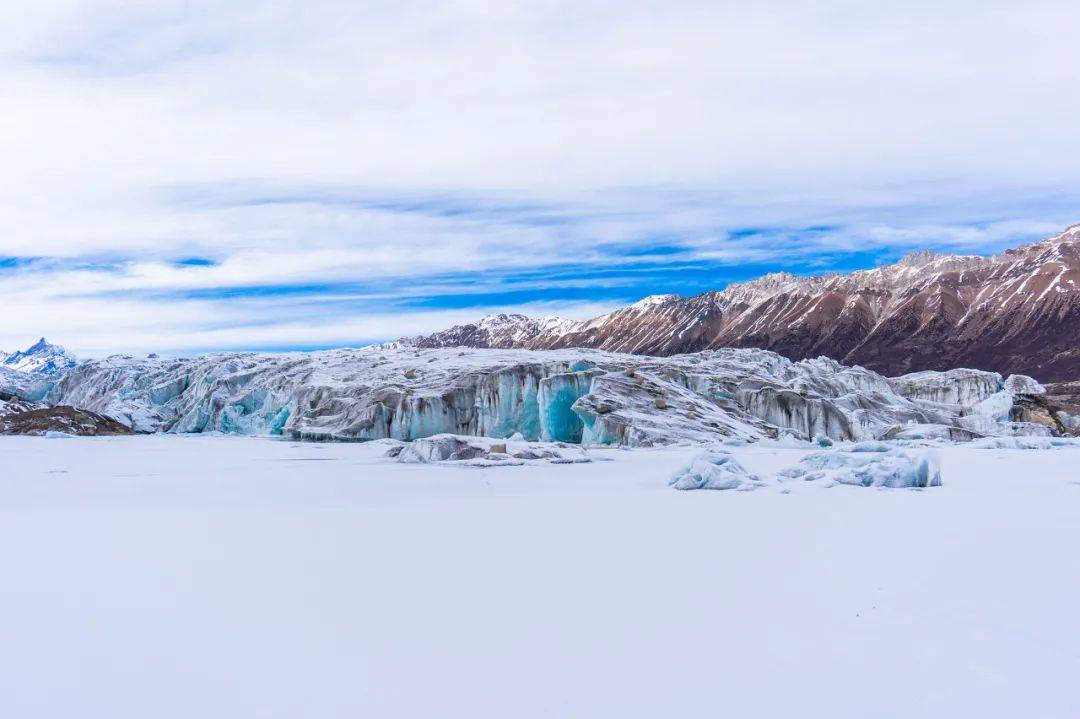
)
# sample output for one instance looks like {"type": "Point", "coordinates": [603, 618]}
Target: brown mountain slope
{"type": "Point", "coordinates": [1018, 312]}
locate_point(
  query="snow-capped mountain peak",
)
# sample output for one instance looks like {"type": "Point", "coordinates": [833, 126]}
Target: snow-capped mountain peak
{"type": "Point", "coordinates": [495, 331]}
{"type": "Point", "coordinates": [40, 358]}
{"type": "Point", "coordinates": [654, 300]}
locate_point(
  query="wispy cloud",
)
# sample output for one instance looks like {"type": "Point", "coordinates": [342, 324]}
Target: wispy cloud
{"type": "Point", "coordinates": [200, 174]}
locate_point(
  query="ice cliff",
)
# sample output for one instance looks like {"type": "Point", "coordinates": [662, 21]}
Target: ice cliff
{"type": "Point", "coordinates": [573, 396]}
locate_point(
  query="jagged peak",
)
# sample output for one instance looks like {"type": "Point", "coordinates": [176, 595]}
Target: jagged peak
{"type": "Point", "coordinates": [1066, 240]}
{"type": "Point", "coordinates": [770, 279]}
{"type": "Point", "coordinates": [763, 287]}
{"type": "Point", "coordinates": [782, 307]}
{"type": "Point", "coordinates": [920, 258]}
{"type": "Point", "coordinates": [42, 357]}
{"type": "Point", "coordinates": [503, 318]}
{"type": "Point", "coordinates": [654, 300]}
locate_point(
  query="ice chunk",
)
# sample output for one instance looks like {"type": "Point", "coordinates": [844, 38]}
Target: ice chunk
{"type": "Point", "coordinates": [1022, 384]}
{"type": "Point", "coordinates": [439, 448]}
{"type": "Point", "coordinates": [996, 406]}
{"type": "Point", "coordinates": [868, 447]}
{"type": "Point", "coordinates": [934, 432]}
{"type": "Point", "coordinates": [485, 452]}
{"type": "Point", "coordinates": [715, 470]}
{"type": "Point", "coordinates": [893, 468]}
{"type": "Point", "coordinates": [1025, 442]}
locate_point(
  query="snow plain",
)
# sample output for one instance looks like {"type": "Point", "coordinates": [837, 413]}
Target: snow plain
{"type": "Point", "coordinates": [179, 576]}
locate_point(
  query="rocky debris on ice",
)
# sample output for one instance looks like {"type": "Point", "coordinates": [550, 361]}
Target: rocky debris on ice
{"type": "Point", "coordinates": [1039, 411]}
{"type": "Point", "coordinates": [54, 420]}
{"type": "Point", "coordinates": [868, 465]}
{"type": "Point", "coordinates": [571, 396]}
{"type": "Point", "coordinates": [22, 416]}
{"type": "Point", "coordinates": [986, 404]}
{"type": "Point", "coordinates": [484, 452]}
{"type": "Point", "coordinates": [11, 403]}
{"type": "Point", "coordinates": [715, 469]}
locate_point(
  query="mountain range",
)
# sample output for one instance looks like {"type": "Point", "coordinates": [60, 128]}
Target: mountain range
{"type": "Point", "coordinates": [1016, 312]}
{"type": "Point", "coordinates": [41, 358]}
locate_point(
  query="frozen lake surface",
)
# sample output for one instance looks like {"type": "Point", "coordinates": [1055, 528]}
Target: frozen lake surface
{"type": "Point", "coordinates": [229, 577]}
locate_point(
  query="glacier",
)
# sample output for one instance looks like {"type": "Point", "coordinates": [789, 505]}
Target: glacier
{"type": "Point", "coordinates": [571, 396]}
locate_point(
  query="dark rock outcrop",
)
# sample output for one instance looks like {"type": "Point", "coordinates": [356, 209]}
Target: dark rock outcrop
{"type": "Point", "coordinates": [63, 419]}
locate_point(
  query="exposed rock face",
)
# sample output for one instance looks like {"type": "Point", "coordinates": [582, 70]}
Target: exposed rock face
{"type": "Point", "coordinates": [12, 403]}
{"type": "Point", "coordinates": [572, 396]}
{"type": "Point", "coordinates": [1036, 409]}
{"type": "Point", "coordinates": [1018, 312]}
{"type": "Point", "coordinates": [39, 421]}
{"type": "Point", "coordinates": [1066, 395]}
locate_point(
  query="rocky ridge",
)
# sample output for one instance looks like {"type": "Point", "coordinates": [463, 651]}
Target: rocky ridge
{"type": "Point", "coordinates": [1014, 313]}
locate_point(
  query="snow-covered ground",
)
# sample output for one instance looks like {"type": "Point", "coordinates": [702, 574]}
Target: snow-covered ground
{"type": "Point", "coordinates": [237, 577]}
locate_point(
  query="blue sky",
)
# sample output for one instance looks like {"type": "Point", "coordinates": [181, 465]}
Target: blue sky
{"type": "Point", "coordinates": [185, 176]}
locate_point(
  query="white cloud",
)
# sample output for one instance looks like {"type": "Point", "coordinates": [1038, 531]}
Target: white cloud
{"type": "Point", "coordinates": [142, 132]}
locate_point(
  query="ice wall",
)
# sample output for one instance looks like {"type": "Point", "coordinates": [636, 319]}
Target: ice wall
{"type": "Point", "coordinates": [565, 395]}
{"type": "Point", "coordinates": [789, 409]}
{"type": "Point", "coordinates": [558, 394]}
{"type": "Point", "coordinates": [961, 387]}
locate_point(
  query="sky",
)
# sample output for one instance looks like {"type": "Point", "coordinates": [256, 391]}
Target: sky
{"type": "Point", "coordinates": [191, 176]}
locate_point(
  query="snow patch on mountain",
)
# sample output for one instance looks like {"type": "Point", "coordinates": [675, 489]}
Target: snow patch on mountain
{"type": "Point", "coordinates": [655, 300]}
{"type": "Point", "coordinates": [40, 358]}
{"type": "Point", "coordinates": [1016, 312]}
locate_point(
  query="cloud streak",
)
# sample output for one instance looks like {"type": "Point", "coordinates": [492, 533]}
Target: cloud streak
{"type": "Point", "coordinates": [192, 174]}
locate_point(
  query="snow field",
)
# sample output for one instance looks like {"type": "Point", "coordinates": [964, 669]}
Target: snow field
{"type": "Point", "coordinates": [228, 577]}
